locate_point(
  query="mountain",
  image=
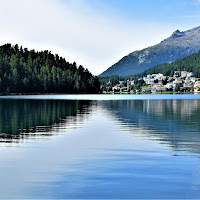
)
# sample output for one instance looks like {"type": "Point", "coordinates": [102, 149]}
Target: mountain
{"type": "Point", "coordinates": [189, 63]}
{"type": "Point", "coordinates": [178, 45]}
{"type": "Point", "coordinates": [24, 71]}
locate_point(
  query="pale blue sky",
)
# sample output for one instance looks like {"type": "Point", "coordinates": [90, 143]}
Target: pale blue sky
{"type": "Point", "coordinates": [178, 13]}
{"type": "Point", "coordinates": [94, 33]}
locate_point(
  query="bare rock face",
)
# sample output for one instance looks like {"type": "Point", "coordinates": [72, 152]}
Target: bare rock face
{"type": "Point", "coordinates": [178, 45]}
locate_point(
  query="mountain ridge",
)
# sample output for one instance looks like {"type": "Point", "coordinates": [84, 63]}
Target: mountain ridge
{"type": "Point", "coordinates": [178, 45]}
{"type": "Point", "coordinates": [189, 63]}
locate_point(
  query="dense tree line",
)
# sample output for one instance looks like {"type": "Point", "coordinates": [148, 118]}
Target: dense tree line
{"type": "Point", "coordinates": [190, 63]}
{"type": "Point", "coordinates": [24, 71]}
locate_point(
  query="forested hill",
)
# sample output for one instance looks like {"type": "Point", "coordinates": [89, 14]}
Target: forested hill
{"type": "Point", "coordinates": [24, 71]}
{"type": "Point", "coordinates": [190, 63]}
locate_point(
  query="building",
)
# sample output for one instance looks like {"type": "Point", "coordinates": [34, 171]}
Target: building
{"type": "Point", "coordinates": [121, 83]}
{"type": "Point", "coordinates": [146, 90]}
{"type": "Point", "coordinates": [177, 74]}
{"type": "Point", "coordinates": [188, 83]}
{"type": "Point", "coordinates": [158, 89]}
{"type": "Point", "coordinates": [177, 84]}
{"type": "Point", "coordinates": [116, 89]}
{"type": "Point", "coordinates": [169, 86]}
{"type": "Point", "coordinates": [123, 89]}
{"type": "Point", "coordinates": [197, 85]}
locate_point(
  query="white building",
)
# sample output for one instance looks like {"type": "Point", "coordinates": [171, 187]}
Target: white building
{"type": "Point", "coordinates": [169, 85]}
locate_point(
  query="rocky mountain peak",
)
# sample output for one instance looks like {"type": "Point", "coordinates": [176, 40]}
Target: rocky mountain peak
{"type": "Point", "coordinates": [175, 34]}
{"type": "Point", "coordinates": [178, 45]}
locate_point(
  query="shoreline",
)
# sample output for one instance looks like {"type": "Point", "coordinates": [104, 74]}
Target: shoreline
{"type": "Point", "coordinates": [108, 93]}
{"type": "Point", "coordinates": [154, 93]}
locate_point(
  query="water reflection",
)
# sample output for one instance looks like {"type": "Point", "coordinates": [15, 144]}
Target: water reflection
{"type": "Point", "coordinates": [21, 119]}
{"type": "Point", "coordinates": [143, 149]}
{"type": "Point", "coordinates": [172, 122]}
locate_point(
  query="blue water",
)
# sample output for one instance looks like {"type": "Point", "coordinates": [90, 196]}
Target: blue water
{"type": "Point", "coordinates": [117, 147]}
{"type": "Point", "coordinates": [100, 97]}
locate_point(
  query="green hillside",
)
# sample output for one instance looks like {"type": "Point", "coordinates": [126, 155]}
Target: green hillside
{"type": "Point", "coordinates": [24, 71]}
{"type": "Point", "coordinates": [190, 63]}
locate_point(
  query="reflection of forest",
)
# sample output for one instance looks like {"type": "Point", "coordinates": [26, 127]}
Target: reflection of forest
{"type": "Point", "coordinates": [175, 122]}
{"type": "Point", "coordinates": [19, 116]}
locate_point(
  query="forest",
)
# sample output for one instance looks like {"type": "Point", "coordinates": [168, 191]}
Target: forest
{"type": "Point", "coordinates": [189, 63]}
{"type": "Point", "coordinates": [29, 72]}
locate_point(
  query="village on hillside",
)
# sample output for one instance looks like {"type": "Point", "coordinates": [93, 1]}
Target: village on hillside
{"type": "Point", "coordinates": [182, 81]}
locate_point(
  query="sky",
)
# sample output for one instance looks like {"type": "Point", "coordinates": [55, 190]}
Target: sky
{"type": "Point", "coordinates": [94, 33]}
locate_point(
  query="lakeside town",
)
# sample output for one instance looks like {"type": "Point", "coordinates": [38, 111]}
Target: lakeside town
{"type": "Point", "coordinates": [181, 81]}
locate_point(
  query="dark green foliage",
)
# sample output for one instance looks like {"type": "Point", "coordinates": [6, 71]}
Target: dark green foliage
{"type": "Point", "coordinates": [165, 81]}
{"type": "Point", "coordinates": [23, 71]}
{"type": "Point", "coordinates": [190, 63]}
{"type": "Point", "coordinates": [138, 84]}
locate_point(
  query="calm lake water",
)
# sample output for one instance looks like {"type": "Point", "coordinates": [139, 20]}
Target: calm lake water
{"type": "Point", "coordinates": [100, 147]}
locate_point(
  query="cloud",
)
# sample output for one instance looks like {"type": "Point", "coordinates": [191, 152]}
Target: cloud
{"type": "Point", "coordinates": [75, 30]}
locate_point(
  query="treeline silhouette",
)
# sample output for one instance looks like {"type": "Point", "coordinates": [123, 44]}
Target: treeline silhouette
{"type": "Point", "coordinates": [24, 71]}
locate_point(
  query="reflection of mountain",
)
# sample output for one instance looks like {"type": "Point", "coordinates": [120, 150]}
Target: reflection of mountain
{"type": "Point", "coordinates": [175, 122]}
{"type": "Point", "coordinates": [30, 116]}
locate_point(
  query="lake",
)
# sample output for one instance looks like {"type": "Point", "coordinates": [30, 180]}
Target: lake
{"type": "Point", "coordinates": [100, 147]}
